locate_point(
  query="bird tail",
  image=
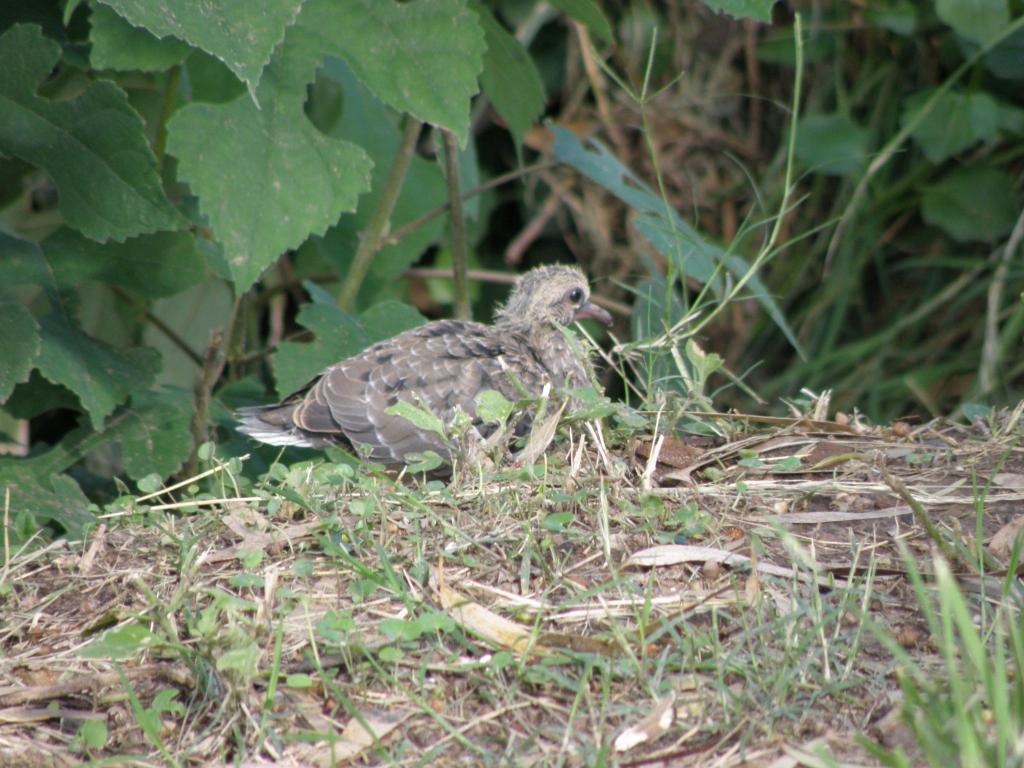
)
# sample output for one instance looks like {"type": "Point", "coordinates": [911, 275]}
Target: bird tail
{"type": "Point", "coordinates": [273, 425]}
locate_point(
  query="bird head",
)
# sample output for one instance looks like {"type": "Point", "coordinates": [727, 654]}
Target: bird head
{"type": "Point", "coordinates": [555, 295]}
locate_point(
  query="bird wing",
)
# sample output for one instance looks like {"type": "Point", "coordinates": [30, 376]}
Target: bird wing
{"type": "Point", "coordinates": [440, 367]}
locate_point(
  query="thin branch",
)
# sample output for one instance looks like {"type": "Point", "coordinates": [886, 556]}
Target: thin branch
{"type": "Point", "coordinates": [949, 552]}
{"type": "Point", "coordinates": [378, 226]}
{"type": "Point", "coordinates": [161, 326]}
{"type": "Point", "coordinates": [258, 354]}
{"type": "Point", "coordinates": [463, 310]}
{"type": "Point", "coordinates": [213, 367]}
{"type": "Point", "coordinates": [404, 231]}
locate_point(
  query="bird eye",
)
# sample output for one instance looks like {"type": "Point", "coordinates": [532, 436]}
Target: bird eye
{"type": "Point", "coordinates": [575, 295]}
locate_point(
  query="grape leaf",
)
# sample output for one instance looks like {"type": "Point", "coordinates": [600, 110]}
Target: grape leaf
{"type": "Point", "coordinates": [510, 78]}
{"type": "Point", "coordinates": [265, 176]}
{"type": "Point", "coordinates": [52, 497]}
{"type": "Point", "coordinates": [336, 335]}
{"type": "Point", "coordinates": [154, 432]}
{"type": "Point", "coordinates": [241, 33]}
{"type": "Point", "coordinates": [20, 348]}
{"type": "Point", "coordinates": [116, 44]}
{"type": "Point", "coordinates": [24, 265]}
{"type": "Point", "coordinates": [389, 318]}
{"type": "Point", "coordinates": [975, 202]}
{"type": "Point", "coordinates": [92, 146]}
{"type": "Point", "coordinates": [422, 57]}
{"type": "Point", "coordinates": [977, 20]}
{"type": "Point", "coordinates": [36, 396]}
{"type": "Point", "coordinates": [159, 264]}
{"type": "Point", "coordinates": [100, 375]}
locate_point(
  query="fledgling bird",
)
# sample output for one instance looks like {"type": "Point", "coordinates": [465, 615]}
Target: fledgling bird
{"type": "Point", "coordinates": [441, 366]}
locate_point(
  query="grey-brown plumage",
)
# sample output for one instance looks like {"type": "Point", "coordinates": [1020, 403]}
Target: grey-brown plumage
{"type": "Point", "coordinates": [441, 366]}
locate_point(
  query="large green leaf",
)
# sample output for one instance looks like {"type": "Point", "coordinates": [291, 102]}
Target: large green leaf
{"type": "Point", "coordinates": [210, 80]}
{"type": "Point", "coordinates": [47, 498]}
{"type": "Point", "coordinates": [510, 78]}
{"type": "Point", "coordinates": [589, 14]}
{"type": "Point", "coordinates": [831, 144]}
{"type": "Point", "coordinates": [241, 33]}
{"type": "Point", "coordinates": [977, 20]}
{"type": "Point", "coordinates": [116, 44]}
{"type": "Point", "coordinates": [93, 146]}
{"type": "Point", "coordinates": [20, 347]}
{"type": "Point", "coordinates": [336, 336]}
{"type": "Point", "coordinates": [265, 176]}
{"type": "Point", "coordinates": [160, 264]}
{"type": "Point", "coordinates": [389, 318]}
{"type": "Point", "coordinates": [958, 120]}
{"type": "Point", "coordinates": [759, 10]}
{"type": "Point", "coordinates": [101, 376]}
{"type": "Point", "coordinates": [422, 57]}
{"type": "Point", "coordinates": [674, 238]}
{"type": "Point", "coordinates": [24, 265]}
{"type": "Point", "coordinates": [154, 432]}
{"type": "Point", "coordinates": [1007, 58]}
{"type": "Point", "coordinates": [37, 396]}
{"type": "Point", "coordinates": [976, 202]}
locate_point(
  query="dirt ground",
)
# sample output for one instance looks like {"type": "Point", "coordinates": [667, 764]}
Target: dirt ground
{"type": "Point", "coordinates": [669, 602]}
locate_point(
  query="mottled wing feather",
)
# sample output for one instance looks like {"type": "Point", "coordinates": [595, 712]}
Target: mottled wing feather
{"type": "Point", "coordinates": [441, 367]}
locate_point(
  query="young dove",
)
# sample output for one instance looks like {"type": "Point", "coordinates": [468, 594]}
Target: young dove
{"type": "Point", "coordinates": [441, 367]}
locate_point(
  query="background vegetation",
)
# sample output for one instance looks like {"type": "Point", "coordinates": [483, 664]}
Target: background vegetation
{"type": "Point", "coordinates": [201, 207]}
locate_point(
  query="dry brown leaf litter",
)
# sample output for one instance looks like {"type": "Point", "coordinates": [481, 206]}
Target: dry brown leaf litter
{"type": "Point", "coordinates": [774, 528]}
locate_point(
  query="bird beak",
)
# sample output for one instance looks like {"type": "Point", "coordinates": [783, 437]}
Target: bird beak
{"type": "Point", "coordinates": [590, 311]}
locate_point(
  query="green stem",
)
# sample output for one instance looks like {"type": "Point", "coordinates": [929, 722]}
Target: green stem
{"type": "Point", "coordinates": [376, 229]}
{"type": "Point", "coordinates": [922, 517]}
{"type": "Point", "coordinates": [451, 162]}
{"type": "Point", "coordinates": [170, 99]}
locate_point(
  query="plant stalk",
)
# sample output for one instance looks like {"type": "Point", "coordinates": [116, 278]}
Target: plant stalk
{"type": "Point", "coordinates": [948, 551]}
{"type": "Point", "coordinates": [170, 101]}
{"type": "Point", "coordinates": [463, 311]}
{"type": "Point", "coordinates": [213, 366]}
{"type": "Point", "coordinates": [378, 226]}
